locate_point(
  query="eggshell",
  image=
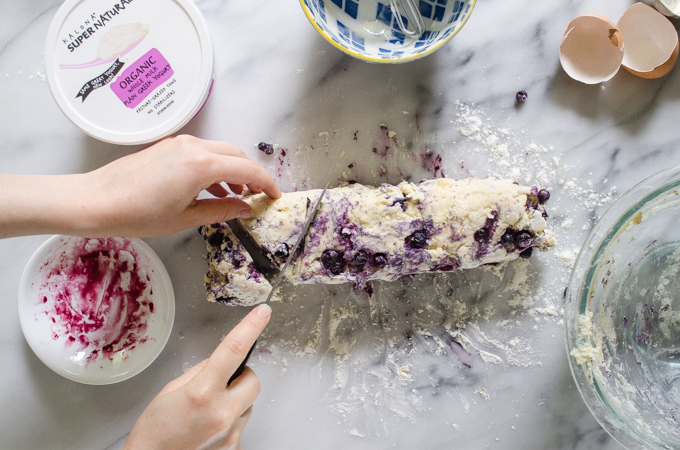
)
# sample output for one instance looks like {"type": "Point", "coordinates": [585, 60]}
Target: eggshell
{"type": "Point", "coordinates": [591, 50]}
{"type": "Point", "coordinates": [651, 42]}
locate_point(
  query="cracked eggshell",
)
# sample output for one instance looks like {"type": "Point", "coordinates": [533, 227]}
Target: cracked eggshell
{"type": "Point", "coordinates": [651, 42]}
{"type": "Point", "coordinates": [591, 50]}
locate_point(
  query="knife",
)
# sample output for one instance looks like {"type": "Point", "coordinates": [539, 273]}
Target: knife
{"type": "Point", "coordinates": [297, 244]}
{"type": "Point", "coordinates": [242, 366]}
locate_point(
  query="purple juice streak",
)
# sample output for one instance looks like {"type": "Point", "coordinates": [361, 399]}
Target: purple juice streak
{"type": "Point", "coordinates": [88, 303]}
{"type": "Point", "coordinates": [401, 202]}
{"type": "Point", "coordinates": [282, 162]}
{"type": "Point", "coordinates": [382, 142]}
{"type": "Point", "coordinates": [490, 225]}
{"type": "Point", "coordinates": [455, 347]}
{"type": "Point", "coordinates": [432, 163]}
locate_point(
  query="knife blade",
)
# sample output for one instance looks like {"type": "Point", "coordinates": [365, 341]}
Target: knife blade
{"type": "Point", "coordinates": [262, 263]}
{"type": "Point", "coordinates": [310, 219]}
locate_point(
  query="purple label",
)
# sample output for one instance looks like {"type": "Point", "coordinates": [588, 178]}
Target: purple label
{"type": "Point", "coordinates": [141, 78]}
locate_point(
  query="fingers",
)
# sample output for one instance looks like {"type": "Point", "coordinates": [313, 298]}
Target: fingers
{"type": "Point", "coordinates": [245, 388]}
{"type": "Point", "coordinates": [236, 188]}
{"type": "Point", "coordinates": [214, 210]}
{"type": "Point", "coordinates": [225, 149]}
{"type": "Point", "coordinates": [235, 170]}
{"type": "Point", "coordinates": [233, 349]}
{"type": "Point", "coordinates": [218, 190]}
{"type": "Point", "coordinates": [232, 165]}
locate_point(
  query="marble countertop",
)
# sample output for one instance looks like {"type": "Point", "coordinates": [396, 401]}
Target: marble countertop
{"type": "Point", "coordinates": [468, 360]}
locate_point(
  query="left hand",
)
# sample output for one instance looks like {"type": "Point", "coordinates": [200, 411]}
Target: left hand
{"type": "Point", "coordinates": [151, 192]}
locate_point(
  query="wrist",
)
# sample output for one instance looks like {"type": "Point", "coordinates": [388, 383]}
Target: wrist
{"type": "Point", "coordinates": [44, 204]}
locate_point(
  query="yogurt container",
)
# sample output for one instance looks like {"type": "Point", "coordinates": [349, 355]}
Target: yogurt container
{"type": "Point", "coordinates": [129, 71]}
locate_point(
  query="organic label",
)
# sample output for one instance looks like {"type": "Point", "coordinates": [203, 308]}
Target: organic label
{"type": "Point", "coordinates": [141, 78]}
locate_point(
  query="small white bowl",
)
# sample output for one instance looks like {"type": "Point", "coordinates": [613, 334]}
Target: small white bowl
{"type": "Point", "coordinates": [96, 311]}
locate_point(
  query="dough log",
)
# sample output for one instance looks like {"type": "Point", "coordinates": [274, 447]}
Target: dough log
{"type": "Point", "coordinates": [364, 233]}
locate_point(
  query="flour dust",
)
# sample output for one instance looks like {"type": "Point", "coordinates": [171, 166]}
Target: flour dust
{"type": "Point", "coordinates": [377, 355]}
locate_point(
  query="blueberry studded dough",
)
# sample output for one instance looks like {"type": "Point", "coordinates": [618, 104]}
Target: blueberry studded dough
{"type": "Point", "coordinates": [232, 278]}
{"type": "Point", "coordinates": [363, 233]}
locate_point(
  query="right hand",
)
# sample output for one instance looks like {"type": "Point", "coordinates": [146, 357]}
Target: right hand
{"type": "Point", "coordinates": [198, 409]}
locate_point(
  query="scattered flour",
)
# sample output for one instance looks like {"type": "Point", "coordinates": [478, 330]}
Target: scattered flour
{"type": "Point", "coordinates": [372, 354]}
{"type": "Point", "coordinates": [567, 257]}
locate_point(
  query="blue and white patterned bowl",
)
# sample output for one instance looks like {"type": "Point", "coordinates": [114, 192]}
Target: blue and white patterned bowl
{"type": "Point", "coordinates": [368, 29]}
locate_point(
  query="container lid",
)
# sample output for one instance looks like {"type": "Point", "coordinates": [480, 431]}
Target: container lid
{"type": "Point", "coordinates": [129, 71]}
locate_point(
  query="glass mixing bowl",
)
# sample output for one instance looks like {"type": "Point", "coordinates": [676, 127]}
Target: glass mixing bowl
{"type": "Point", "coordinates": [622, 316]}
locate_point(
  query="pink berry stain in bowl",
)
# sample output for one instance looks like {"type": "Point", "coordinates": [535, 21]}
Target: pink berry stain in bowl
{"type": "Point", "coordinates": [98, 295]}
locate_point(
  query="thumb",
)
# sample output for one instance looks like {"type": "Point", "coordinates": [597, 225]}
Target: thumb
{"type": "Point", "coordinates": [214, 210]}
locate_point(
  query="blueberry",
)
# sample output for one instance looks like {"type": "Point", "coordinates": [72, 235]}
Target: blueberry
{"type": "Point", "coordinates": [508, 238]}
{"type": "Point", "coordinates": [521, 96]}
{"type": "Point", "coordinates": [418, 239]}
{"type": "Point", "coordinates": [482, 235]}
{"type": "Point", "coordinates": [333, 261]}
{"type": "Point", "coordinates": [543, 195]}
{"type": "Point", "coordinates": [346, 233]}
{"type": "Point", "coordinates": [361, 258]}
{"type": "Point", "coordinates": [227, 300]}
{"type": "Point", "coordinates": [238, 260]}
{"type": "Point", "coordinates": [267, 148]}
{"type": "Point", "coordinates": [526, 254]}
{"type": "Point", "coordinates": [379, 260]}
{"type": "Point", "coordinates": [281, 250]}
{"type": "Point", "coordinates": [216, 239]}
{"type": "Point", "coordinates": [229, 246]}
{"type": "Point", "coordinates": [523, 240]}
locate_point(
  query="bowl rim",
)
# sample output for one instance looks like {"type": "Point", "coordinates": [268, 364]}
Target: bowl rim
{"type": "Point", "coordinates": [357, 55]}
{"type": "Point", "coordinates": [576, 294]}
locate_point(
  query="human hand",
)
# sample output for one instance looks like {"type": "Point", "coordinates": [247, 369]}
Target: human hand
{"type": "Point", "coordinates": [198, 410]}
{"type": "Point", "coordinates": [151, 192]}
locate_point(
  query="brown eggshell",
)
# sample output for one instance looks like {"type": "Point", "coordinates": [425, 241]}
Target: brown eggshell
{"type": "Point", "coordinates": [651, 42]}
{"type": "Point", "coordinates": [591, 50]}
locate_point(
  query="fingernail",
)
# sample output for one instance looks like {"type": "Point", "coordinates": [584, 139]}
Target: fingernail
{"type": "Point", "coordinates": [264, 311]}
{"type": "Point", "coordinates": [245, 214]}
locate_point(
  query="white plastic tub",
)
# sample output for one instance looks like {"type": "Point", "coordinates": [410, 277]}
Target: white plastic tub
{"type": "Point", "coordinates": [129, 71]}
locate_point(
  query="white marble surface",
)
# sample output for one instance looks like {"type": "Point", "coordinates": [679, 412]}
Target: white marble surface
{"type": "Point", "coordinates": [277, 80]}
